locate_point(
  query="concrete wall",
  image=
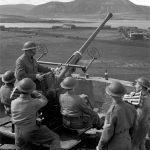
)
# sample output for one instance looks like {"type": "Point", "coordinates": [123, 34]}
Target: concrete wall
{"type": "Point", "coordinates": [95, 89]}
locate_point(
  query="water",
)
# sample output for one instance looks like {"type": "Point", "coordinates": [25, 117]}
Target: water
{"type": "Point", "coordinates": [143, 24]}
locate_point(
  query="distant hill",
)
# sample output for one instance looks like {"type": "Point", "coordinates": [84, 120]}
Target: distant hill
{"type": "Point", "coordinates": [123, 9]}
{"type": "Point", "coordinates": [20, 9]}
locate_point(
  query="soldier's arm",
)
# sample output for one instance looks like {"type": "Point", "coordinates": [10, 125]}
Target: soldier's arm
{"type": "Point", "coordinates": [20, 71]}
{"type": "Point", "coordinates": [134, 126]}
{"type": "Point", "coordinates": [43, 69]}
{"type": "Point", "coordinates": [14, 94]}
{"type": "Point", "coordinates": [7, 100]}
{"type": "Point", "coordinates": [108, 130]}
{"type": "Point", "coordinates": [85, 108]}
{"type": "Point", "coordinates": [40, 100]}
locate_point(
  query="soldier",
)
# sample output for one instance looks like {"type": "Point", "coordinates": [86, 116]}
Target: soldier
{"type": "Point", "coordinates": [27, 66]}
{"type": "Point", "coordinates": [5, 91]}
{"type": "Point", "coordinates": [143, 114]}
{"type": "Point", "coordinates": [119, 122]}
{"type": "Point", "coordinates": [24, 110]}
{"type": "Point", "coordinates": [76, 113]}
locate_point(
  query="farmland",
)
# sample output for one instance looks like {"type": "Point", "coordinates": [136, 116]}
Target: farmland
{"type": "Point", "coordinates": [124, 59]}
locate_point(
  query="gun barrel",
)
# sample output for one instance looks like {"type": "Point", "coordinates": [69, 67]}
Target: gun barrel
{"type": "Point", "coordinates": [74, 59]}
{"type": "Point", "coordinates": [90, 39]}
{"type": "Point", "coordinates": [61, 64]}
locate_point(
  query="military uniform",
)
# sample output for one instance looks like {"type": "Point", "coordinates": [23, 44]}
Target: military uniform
{"type": "Point", "coordinates": [28, 67]}
{"type": "Point", "coordinates": [118, 127]}
{"type": "Point", "coordinates": [143, 123]}
{"type": "Point", "coordinates": [24, 113]}
{"type": "Point", "coordinates": [5, 92]}
{"type": "Point", "coordinates": [76, 113]}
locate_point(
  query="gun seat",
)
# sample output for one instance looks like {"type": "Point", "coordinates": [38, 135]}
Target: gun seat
{"type": "Point", "coordinates": [8, 147]}
{"type": "Point", "coordinates": [68, 139]}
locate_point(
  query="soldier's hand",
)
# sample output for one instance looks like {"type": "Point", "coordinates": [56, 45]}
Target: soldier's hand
{"type": "Point", "coordinates": [39, 77]}
{"type": "Point", "coordinates": [36, 94]}
{"type": "Point", "coordinates": [84, 96]}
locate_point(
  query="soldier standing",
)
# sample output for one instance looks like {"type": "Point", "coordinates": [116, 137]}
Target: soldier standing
{"type": "Point", "coordinates": [24, 110]}
{"type": "Point", "coordinates": [120, 121]}
{"type": "Point", "coordinates": [27, 66]}
{"type": "Point", "coordinates": [143, 114]}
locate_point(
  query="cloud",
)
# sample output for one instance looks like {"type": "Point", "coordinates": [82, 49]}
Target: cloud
{"type": "Point", "coordinates": [141, 2]}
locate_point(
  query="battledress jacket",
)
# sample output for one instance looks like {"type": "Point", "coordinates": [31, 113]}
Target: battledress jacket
{"type": "Point", "coordinates": [74, 106]}
{"type": "Point", "coordinates": [143, 121]}
{"type": "Point", "coordinates": [5, 92]}
{"type": "Point", "coordinates": [28, 67]}
{"type": "Point", "coordinates": [118, 127]}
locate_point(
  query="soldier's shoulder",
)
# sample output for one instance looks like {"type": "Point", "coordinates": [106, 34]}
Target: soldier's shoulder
{"type": "Point", "coordinates": [129, 105]}
{"type": "Point", "coordinates": [21, 57]}
{"type": "Point", "coordinates": [14, 101]}
{"type": "Point", "coordinates": [111, 109]}
{"type": "Point", "coordinates": [2, 87]}
{"type": "Point", "coordinates": [62, 95]}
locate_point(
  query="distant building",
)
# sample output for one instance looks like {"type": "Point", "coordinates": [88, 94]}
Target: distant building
{"type": "Point", "coordinates": [107, 27]}
{"type": "Point", "coordinates": [136, 35]}
{"type": "Point", "coordinates": [132, 28]}
{"type": "Point", "coordinates": [2, 28]}
{"type": "Point", "coordinates": [69, 26]}
{"type": "Point", "coordinates": [56, 27]}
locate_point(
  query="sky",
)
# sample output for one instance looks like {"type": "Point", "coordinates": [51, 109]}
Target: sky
{"type": "Point", "coordinates": [37, 2]}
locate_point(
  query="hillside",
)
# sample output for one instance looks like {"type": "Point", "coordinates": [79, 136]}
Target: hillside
{"type": "Point", "coordinates": [20, 9]}
{"type": "Point", "coordinates": [123, 9]}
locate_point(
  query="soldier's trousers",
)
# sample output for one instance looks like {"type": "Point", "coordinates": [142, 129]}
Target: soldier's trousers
{"type": "Point", "coordinates": [138, 141]}
{"type": "Point", "coordinates": [40, 135]}
{"type": "Point", "coordinates": [120, 141]}
{"type": "Point", "coordinates": [83, 121]}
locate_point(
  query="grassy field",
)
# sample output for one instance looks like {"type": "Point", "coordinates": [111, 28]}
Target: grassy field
{"type": "Point", "coordinates": [123, 59]}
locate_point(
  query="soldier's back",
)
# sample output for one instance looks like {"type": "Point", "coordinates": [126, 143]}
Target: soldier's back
{"type": "Point", "coordinates": [125, 116]}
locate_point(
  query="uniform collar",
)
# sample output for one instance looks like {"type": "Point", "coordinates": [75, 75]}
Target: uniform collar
{"type": "Point", "coordinates": [25, 96]}
{"type": "Point", "coordinates": [7, 86]}
{"type": "Point", "coordinates": [144, 93]}
{"type": "Point", "coordinates": [117, 102]}
{"type": "Point", "coordinates": [30, 58]}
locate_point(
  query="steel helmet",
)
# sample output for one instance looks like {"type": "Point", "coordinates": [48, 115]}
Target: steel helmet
{"type": "Point", "coordinates": [115, 89]}
{"type": "Point", "coordinates": [143, 82]}
{"type": "Point", "coordinates": [68, 83]}
{"type": "Point", "coordinates": [26, 85]}
{"type": "Point", "coordinates": [29, 46]}
{"type": "Point", "coordinates": [8, 77]}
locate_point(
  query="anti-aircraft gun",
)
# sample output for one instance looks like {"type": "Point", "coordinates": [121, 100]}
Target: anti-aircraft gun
{"type": "Point", "coordinates": [70, 65]}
